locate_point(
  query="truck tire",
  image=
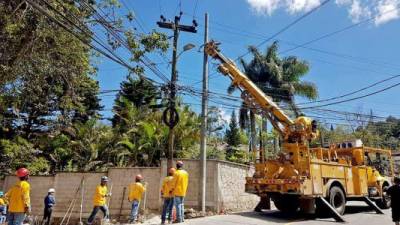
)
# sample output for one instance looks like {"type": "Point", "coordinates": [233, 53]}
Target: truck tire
{"type": "Point", "coordinates": [287, 203]}
{"type": "Point", "coordinates": [385, 202]}
{"type": "Point", "coordinates": [337, 199]}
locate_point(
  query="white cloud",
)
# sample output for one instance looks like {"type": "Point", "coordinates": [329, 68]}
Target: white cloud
{"type": "Point", "coordinates": [295, 6]}
{"type": "Point", "coordinates": [358, 12]}
{"type": "Point", "coordinates": [387, 10]}
{"type": "Point", "coordinates": [264, 6]}
{"type": "Point", "coordinates": [226, 116]}
{"type": "Point", "coordinates": [292, 6]}
{"type": "Point", "coordinates": [383, 10]}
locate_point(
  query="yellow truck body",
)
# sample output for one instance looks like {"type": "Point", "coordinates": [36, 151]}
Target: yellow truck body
{"type": "Point", "coordinates": [308, 173]}
{"type": "Point", "coordinates": [301, 175]}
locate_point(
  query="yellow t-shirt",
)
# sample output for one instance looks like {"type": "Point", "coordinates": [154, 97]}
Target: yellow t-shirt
{"type": "Point", "coordinates": [180, 183]}
{"type": "Point", "coordinates": [99, 198]}
{"type": "Point", "coordinates": [18, 197]}
{"type": "Point", "coordinates": [136, 191]}
{"type": "Point", "coordinates": [2, 202]}
{"type": "Point", "coordinates": [167, 186]}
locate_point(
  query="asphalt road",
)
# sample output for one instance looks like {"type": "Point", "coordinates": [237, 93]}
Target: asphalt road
{"type": "Point", "coordinates": [357, 213]}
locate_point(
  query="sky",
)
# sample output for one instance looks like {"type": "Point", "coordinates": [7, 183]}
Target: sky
{"type": "Point", "coordinates": [367, 51]}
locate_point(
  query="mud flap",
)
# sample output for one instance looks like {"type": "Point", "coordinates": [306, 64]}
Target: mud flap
{"type": "Point", "coordinates": [332, 210]}
{"type": "Point", "coordinates": [265, 203]}
{"type": "Point", "coordinates": [373, 205]}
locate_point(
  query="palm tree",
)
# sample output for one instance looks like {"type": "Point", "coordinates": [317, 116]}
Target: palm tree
{"type": "Point", "coordinates": [277, 77]}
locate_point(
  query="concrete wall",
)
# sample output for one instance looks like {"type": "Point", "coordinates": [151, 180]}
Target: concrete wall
{"type": "Point", "coordinates": [192, 196]}
{"type": "Point", "coordinates": [225, 188]}
{"type": "Point", "coordinates": [39, 187]}
{"type": "Point", "coordinates": [122, 177]}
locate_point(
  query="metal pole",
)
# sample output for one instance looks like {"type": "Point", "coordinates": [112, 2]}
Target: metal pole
{"type": "Point", "coordinates": [171, 134]}
{"type": "Point", "coordinates": [203, 142]}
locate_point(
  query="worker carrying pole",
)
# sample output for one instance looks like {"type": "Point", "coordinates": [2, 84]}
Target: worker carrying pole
{"type": "Point", "coordinates": [19, 198]}
{"type": "Point", "coordinates": [99, 200]}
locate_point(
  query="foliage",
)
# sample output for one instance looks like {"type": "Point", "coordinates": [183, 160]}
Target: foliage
{"type": "Point", "coordinates": [234, 154]}
{"type": "Point", "coordinates": [48, 93]}
{"type": "Point", "coordinates": [18, 153]}
{"type": "Point", "coordinates": [380, 134]}
{"type": "Point", "coordinates": [232, 134]}
{"type": "Point", "coordinates": [279, 78]}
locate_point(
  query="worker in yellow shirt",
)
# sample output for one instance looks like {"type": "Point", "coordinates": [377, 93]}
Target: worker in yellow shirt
{"type": "Point", "coordinates": [3, 208]}
{"type": "Point", "coordinates": [18, 198]}
{"type": "Point", "coordinates": [167, 196]}
{"type": "Point", "coordinates": [136, 191]}
{"type": "Point", "coordinates": [179, 188]}
{"type": "Point", "coordinates": [99, 200]}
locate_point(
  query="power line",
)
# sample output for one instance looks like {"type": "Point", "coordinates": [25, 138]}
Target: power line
{"type": "Point", "coordinates": [351, 93]}
{"type": "Point", "coordinates": [317, 101]}
{"type": "Point", "coordinates": [339, 31]}
{"type": "Point", "coordinates": [288, 26]}
{"type": "Point", "coordinates": [195, 9]}
{"type": "Point", "coordinates": [355, 98]}
{"type": "Point", "coordinates": [146, 61]}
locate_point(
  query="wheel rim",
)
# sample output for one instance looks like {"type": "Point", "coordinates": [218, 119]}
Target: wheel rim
{"type": "Point", "coordinates": [337, 201]}
{"type": "Point", "coordinates": [387, 198]}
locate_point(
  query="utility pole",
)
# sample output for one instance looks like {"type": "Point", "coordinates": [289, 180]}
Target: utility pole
{"type": "Point", "coordinates": [170, 115]}
{"type": "Point", "coordinates": [203, 137]}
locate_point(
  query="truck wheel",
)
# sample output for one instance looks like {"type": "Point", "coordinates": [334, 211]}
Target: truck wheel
{"type": "Point", "coordinates": [385, 202]}
{"type": "Point", "coordinates": [287, 203]}
{"type": "Point", "coordinates": [337, 199]}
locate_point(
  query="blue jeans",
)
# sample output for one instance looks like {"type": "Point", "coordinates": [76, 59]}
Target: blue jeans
{"type": "Point", "coordinates": [2, 218]}
{"type": "Point", "coordinates": [96, 209]}
{"type": "Point", "coordinates": [180, 209]}
{"type": "Point", "coordinates": [167, 209]}
{"type": "Point", "coordinates": [135, 210]}
{"type": "Point", "coordinates": [15, 218]}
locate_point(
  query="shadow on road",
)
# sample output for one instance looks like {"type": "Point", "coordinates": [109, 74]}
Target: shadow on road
{"type": "Point", "coordinates": [279, 217]}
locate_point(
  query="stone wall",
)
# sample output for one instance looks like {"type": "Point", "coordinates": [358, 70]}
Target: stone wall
{"type": "Point", "coordinates": [231, 188]}
{"type": "Point", "coordinates": [225, 188]}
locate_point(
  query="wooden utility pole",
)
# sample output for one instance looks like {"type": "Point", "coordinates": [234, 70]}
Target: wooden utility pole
{"type": "Point", "coordinates": [203, 137]}
{"type": "Point", "coordinates": [170, 116]}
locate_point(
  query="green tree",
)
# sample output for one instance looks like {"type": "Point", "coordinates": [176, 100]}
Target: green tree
{"type": "Point", "coordinates": [136, 93]}
{"type": "Point", "coordinates": [48, 94]}
{"type": "Point", "coordinates": [232, 135]}
{"type": "Point", "coordinates": [280, 78]}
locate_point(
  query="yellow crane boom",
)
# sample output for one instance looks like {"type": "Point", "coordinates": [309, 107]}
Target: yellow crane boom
{"type": "Point", "coordinates": [255, 98]}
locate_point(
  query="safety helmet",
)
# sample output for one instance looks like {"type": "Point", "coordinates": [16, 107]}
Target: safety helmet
{"type": "Point", "coordinates": [51, 190]}
{"type": "Point", "coordinates": [104, 179]}
{"type": "Point", "coordinates": [171, 170]}
{"type": "Point", "coordinates": [22, 172]}
{"type": "Point", "coordinates": [139, 177]}
{"type": "Point", "coordinates": [1, 194]}
{"type": "Point", "coordinates": [179, 163]}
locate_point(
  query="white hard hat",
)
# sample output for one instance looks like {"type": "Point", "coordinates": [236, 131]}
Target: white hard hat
{"type": "Point", "coordinates": [51, 190]}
